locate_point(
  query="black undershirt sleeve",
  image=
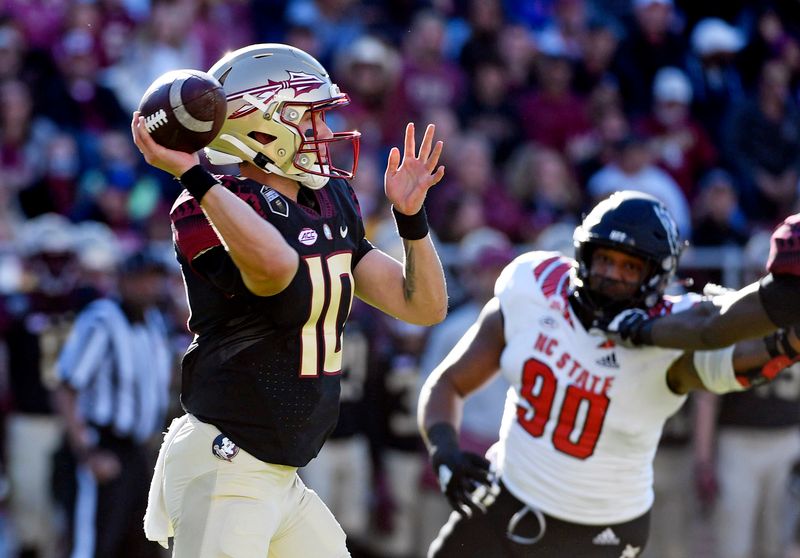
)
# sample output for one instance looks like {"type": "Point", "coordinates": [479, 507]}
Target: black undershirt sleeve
{"type": "Point", "coordinates": [780, 296]}
{"type": "Point", "coordinates": [217, 266]}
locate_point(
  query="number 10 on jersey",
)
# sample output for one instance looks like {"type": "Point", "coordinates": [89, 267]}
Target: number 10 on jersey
{"type": "Point", "coordinates": [320, 339]}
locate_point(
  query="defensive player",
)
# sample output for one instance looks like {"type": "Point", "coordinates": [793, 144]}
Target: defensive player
{"type": "Point", "coordinates": [271, 260]}
{"type": "Point", "coordinates": [584, 415]}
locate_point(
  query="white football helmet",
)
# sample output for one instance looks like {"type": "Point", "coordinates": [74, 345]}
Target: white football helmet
{"type": "Point", "coordinates": [270, 88]}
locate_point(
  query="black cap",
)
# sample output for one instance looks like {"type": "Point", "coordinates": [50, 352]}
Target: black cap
{"type": "Point", "coordinates": [142, 262]}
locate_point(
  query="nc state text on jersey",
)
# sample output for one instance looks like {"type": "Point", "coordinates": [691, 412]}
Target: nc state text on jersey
{"type": "Point", "coordinates": [580, 376]}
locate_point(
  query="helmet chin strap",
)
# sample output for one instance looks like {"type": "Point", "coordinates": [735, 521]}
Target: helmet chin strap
{"type": "Point", "coordinates": [313, 181]}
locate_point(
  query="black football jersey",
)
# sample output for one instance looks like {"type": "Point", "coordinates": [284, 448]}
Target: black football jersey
{"type": "Point", "coordinates": [266, 370]}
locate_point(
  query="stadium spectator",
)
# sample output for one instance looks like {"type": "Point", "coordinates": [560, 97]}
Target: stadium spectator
{"type": "Point", "coordinates": [632, 169]}
{"type": "Point", "coordinates": [369, 69]}
{"type": "Point", "coordinates": [651, 43]}
{"type": "Point", "coordinates": [486, 109]}
{"type": "Point", "coordinates": [714, 75]}
{"type": "Point", "coordinates": [763, 146]}
{"type": "Point", "coordinates": [486, 25]}
{"type": "Point", "coordinates": [336, 24]}
{"type": "Point", "coordinates": [718, 217]}
{"type": "Point", "coordinates": [541, 182]}
{"type": "Point", "coordinates": [680, 145]}
{"type": "Point", "coordinates": [474, 186]}
{"type": "Point", "coordinates": [162, 43]}
{"type": "Point", "coordinates": [551, 114]}
{"type": "Point", "coordinates": [78, 101]}
{"type": "Point", "coordinates": [598, 49]}
{"type": "Point", "coordinates": [428, 79]}
{"type": "Point", "coordinates": [24, 136]}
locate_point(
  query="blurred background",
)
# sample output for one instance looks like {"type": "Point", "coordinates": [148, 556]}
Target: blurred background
{"type": "Point", "coordinates": [545, 106]}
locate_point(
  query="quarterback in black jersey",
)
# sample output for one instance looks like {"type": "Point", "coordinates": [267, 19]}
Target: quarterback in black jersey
{"type": "Point", "coordinates": [272, 259]}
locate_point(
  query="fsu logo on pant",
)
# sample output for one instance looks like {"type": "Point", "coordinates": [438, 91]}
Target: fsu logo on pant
{"type": "Point", "coordinates": [223, 448]}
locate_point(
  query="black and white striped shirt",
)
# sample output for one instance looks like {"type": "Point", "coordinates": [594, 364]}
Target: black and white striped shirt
{"type": "Point", "coordinates": [120, 370]}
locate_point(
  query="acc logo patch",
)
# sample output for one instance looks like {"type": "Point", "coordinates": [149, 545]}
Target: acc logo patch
{"type": "Point", "coordinates": [326, 230]}
{"type": "Point", "coordinates": [223, 448]}
{"type": "Point", "coordinates": [275, 202]}
{"type": "Point", "coordinates": [307, 236]}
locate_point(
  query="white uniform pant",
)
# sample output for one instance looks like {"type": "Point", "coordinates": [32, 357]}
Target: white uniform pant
{"type": "Point", "coordinates": [242, 508]}
{"type": "Point", "coordinates": [753, 470]}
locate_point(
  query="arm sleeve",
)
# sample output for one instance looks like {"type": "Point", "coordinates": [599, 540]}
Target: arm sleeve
{"type": "Point", "coordinates": [780, 296]}
{"type": "Point", "coordinates": [191, 229]}
{"type": "Point", "coordinates": [201, 248]}
{"type": "Point", "coordinates": [216, 265]}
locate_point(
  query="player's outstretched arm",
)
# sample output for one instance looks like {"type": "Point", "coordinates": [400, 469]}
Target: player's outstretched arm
{"type": "Point", "coordinates": [715, 323]}
{"type": "Point", "coordinates": [746, 364]}
{"type": "Point", "coordinates": [414, 291]}
{"type": "Point", "coordinates": [473, 361]}
{"type": "Point", "coordinates": [265, 260]}
{"type": "Point", "coordinates": [754, 311]}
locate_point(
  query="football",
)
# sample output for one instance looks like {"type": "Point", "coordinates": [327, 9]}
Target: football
{"type": "Point", "coordinates": [184, 109]}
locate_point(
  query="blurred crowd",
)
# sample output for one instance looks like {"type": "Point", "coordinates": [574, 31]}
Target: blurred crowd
{"type": "Point", "coordinates": [545, 107]}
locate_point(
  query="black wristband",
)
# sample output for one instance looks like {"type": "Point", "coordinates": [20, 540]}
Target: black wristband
{"type": "Point", "coordinates": [198, 181]}
{"type": "Point", "coordinates": [442, 436]}
{"type": "Point", "coordinates": [411, 227]}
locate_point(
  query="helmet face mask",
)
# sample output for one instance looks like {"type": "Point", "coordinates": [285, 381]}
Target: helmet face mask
{"type": "Point", "coordinates": [277, 96]}
{"type": "Point", "coordinates": [635, 224]}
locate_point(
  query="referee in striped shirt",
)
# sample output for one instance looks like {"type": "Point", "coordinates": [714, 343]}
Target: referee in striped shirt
{"type": "Point", "coordinates": [115, 373]}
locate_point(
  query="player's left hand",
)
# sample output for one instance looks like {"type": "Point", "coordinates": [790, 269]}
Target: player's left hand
{"type": "Point", "coordinates": [407, 182]}
{"type": "Point", "coordinates": [460, 473]}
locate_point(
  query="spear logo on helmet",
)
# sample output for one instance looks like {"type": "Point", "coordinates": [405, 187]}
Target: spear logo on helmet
{"type": "Point", "coordinates": [301, 82]}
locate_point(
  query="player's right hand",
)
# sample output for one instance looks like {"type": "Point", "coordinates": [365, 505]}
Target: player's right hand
{"type": "Point", "coordinates": [174, 162]}
{"type": "Point", "coordinates": [460, 473]}
{"type": "Point", "coordinates": [784, 249]}
{"type": "Point", "coordinates": [626, 327]}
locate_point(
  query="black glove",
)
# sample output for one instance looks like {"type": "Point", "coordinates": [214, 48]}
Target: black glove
{"type": "Point", "coordinates": [630, 328]}
{"type": "Point", "coordinates": [459, 472]}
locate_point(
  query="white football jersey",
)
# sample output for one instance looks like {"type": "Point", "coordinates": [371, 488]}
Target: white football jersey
{"type": "Point", "coordinates": [583, 417]}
